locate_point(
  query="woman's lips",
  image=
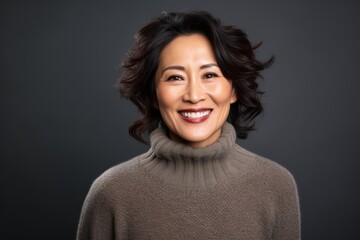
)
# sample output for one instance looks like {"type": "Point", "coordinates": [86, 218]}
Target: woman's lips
{"type": "Point", "coordinates": [195, 115]}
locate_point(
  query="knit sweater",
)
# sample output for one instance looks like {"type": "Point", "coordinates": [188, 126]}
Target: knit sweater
{"type": "Point", "coordinates": [173, 191]}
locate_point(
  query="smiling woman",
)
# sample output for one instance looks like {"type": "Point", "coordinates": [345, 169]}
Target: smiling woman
{"type": "Point", "coordinates": [195, 82]}
{"type": "Point", "coordinates": [191, 89]}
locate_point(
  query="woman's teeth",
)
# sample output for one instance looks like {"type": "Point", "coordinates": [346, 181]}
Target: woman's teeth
{"type": "Point", "coordinates": [195, 114]}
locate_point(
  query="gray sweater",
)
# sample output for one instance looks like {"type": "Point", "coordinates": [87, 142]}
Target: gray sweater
{"type": "Point", "coordinates": [173, 191]}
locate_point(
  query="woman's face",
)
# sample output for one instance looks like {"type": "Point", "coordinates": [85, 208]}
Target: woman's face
{"type": "Point", "coordinates": [193, 95]}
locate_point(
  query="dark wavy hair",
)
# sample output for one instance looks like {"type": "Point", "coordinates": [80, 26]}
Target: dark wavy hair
{"type": "Point", "coordinates": [233, 52]}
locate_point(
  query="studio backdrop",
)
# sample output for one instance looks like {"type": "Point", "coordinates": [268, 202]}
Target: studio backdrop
{"type": "Point", "coordinates": [63, 123]}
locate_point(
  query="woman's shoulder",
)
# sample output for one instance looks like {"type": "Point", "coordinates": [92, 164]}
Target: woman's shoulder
{"type": "Point", "coordinates": [118, 179]}
{"type": "Point", "coordinates": [118, 171]}
{"type": "Point", "coordinates": [265, 169]}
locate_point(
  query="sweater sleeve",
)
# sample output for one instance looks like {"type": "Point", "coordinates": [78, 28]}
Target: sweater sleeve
{"type": "Point", "coordinates": [96, 220]}
{"type": "Point", "coordinates": [287, 211]}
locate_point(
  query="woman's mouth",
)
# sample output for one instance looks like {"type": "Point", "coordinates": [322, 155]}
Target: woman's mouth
{"type": "Point", "coordinates": [195, 115]}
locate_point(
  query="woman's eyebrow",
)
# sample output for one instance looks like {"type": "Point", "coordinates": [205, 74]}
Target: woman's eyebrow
{"type": "Point", "coordinates": [173, 67]}
{"type": "Point", "coordinates": [183, 69]}
{"type": "Point", "coordinates": [209, 65]}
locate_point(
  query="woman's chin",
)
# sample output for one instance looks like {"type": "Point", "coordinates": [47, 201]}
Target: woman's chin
{"type": "Point", "coordinates": [202, 139]}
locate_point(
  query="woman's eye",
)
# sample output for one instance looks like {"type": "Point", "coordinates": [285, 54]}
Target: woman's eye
{"type": "Point", "coordinates": [174, 78]}
{"type": "Point", "coordinates": [210, 75]}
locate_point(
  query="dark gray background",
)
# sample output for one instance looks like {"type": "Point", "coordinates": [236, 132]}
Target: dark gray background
{"type": "Point", "coordinates": [63, 124]}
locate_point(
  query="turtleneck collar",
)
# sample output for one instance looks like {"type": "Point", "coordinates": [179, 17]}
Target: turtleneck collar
{"type": "Point", "coordinates": [180, 164]}
{"type": "Point", "coordinates": [166, 148]}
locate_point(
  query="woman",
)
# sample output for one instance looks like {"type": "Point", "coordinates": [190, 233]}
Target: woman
{"type": "Point", "coordinates": [195, 83]}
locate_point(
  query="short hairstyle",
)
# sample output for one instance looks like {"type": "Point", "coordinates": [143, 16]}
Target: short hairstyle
{"type": "Point", "coordinates": [233, 52]}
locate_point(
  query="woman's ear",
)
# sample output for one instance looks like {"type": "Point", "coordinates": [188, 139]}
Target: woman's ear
{"type": "Point", "coordinates": [233, 96]}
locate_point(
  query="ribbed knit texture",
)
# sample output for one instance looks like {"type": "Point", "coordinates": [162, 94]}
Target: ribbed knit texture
{"type": "Point", "coordinates": [173, 191]}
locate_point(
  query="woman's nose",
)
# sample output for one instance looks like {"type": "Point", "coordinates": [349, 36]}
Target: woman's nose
{"type": "Point", "coordinates": [195, 92]}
